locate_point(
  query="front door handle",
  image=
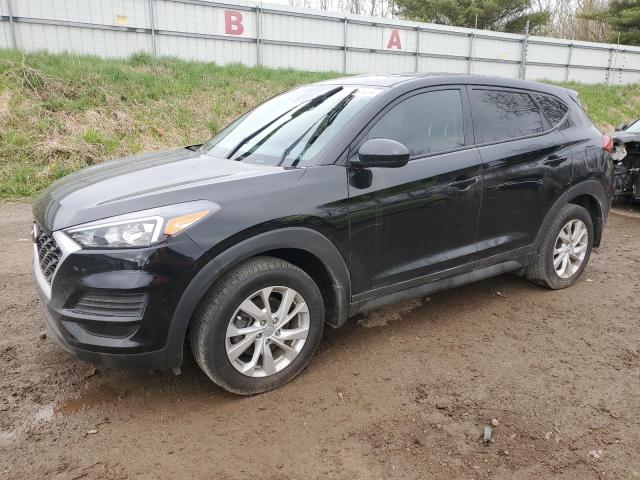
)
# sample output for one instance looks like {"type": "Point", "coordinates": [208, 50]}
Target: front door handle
{"type": "Point", "coordinates": [555, 160]}
{"type": "Point", "coordinates": [464, 185]}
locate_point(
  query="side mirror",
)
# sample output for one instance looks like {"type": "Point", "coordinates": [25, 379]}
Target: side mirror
{"type": "Point", "coordinates": [622, 126]}
{"type": "Point", "coordinates": [382, 152]}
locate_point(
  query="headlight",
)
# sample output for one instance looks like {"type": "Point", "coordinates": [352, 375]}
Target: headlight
{"type": "Point", "coordinates": [141, 229]}
{"type": "Point", "coordinates": [619, 153]}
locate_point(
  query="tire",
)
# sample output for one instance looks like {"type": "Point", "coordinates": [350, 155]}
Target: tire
{"type": "Point", "coordinates": [219, 315]}
{"type": "Point", "coordinates": [542, 271]}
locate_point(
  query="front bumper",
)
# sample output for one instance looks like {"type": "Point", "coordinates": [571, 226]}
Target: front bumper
{"type": "Point", "coordinates": [157, 274]}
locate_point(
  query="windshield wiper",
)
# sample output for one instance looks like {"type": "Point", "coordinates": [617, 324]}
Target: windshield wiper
{"type": "Point", "coordinates": [327, 120]}
{"type": "Point", "coordinates": [314, 102]}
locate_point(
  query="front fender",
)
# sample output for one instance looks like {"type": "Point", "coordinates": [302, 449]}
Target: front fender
{"type": "Point", "coordinates": [299, 238]}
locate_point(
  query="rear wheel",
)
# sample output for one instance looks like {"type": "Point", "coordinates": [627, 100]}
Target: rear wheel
{"type": "Point", "coordinates": [259, 327]}
{"type": "Point", "coordinates": [565, 249]}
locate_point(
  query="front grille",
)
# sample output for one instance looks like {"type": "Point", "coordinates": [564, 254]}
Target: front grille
{"type": "Point", "coordinates": [112, 304]}
{"type": "Point", "coordinates": [48, 255]}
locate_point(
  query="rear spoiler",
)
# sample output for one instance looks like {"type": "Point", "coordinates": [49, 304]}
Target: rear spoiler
{"type": "Point", "coordinates": [574, 96]}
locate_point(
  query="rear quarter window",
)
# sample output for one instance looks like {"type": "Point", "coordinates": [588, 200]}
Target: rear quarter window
{"type": "Point", "coordinates": [504, 115]}
{"type": "Point", "coordinates": [553, 108]}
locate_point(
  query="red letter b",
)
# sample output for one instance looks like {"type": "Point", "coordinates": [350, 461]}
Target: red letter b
{"type": "Point", "coordinates": [233, 22]}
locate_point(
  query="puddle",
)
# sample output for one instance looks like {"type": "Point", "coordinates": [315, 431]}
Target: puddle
{"type": "Point", "coordinates": [104, 394]}
{"type": "Point", "coordinates": [381, 316]}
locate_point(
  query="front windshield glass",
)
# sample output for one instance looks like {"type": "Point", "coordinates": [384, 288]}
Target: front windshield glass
{"type": "Point", "coordinates": [291, 129]}
{"type": "Point", "coordinates": [634, 127]}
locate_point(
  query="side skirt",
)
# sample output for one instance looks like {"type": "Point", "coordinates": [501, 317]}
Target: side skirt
{"type": "Point", "coordinates": [435, 286]}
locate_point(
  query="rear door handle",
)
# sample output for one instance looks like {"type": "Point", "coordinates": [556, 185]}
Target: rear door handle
{"type": "Point", "coordinates": [465, 184]}
{"type": "Point", "coordinates": [555, 160]}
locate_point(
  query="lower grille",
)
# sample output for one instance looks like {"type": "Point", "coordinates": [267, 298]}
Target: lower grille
{"type": "Point", "coordinates": [112, 304]}
{"type": "Point", "coordinates": [48, 255]}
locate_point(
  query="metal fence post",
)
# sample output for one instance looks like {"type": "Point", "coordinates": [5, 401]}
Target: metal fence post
{"type": "Point", "coordinates": [569, 60]}
{"type": "Point", "coordinates": [417, 49]}
{"type": "Point", "coordinates": [472, 41]}
{"type": "Point", "coordinates": [608, 75]}
{"type": "Point", "coordinates": [12, 25]}
{"type": "Point", "coordinates": [344, 58]}
{"type": "Point", "coordinates": [523, 58]}
{"type": "Point", "coordinates": [259, 35]}
{"type": "Point", "coordinates": [153, 29]}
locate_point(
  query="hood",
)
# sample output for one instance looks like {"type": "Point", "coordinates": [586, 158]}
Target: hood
{"type": "Point", "coordinates": [148, 181]}
{"type": "Point", "coordinates": [623, 136]}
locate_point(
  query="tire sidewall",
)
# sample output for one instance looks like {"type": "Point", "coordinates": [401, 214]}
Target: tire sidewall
{"type": "Point", "coordinates": [575, 212]}
{"type": "Point", "coordinates": [215, 354]}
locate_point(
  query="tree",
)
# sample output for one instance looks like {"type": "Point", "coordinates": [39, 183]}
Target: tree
{"type": "Point", "coordinates": [502, 15]}
{"type": "Point", "coordinates": [623, 18]}
{"type": "Point", "coordinates": [568, 21]}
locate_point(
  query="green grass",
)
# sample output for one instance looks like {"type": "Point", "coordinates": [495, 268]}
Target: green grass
{"type": "Point", "coordinates": [609, 106]}
{"type": "Point", "coordinates": [59, 113]}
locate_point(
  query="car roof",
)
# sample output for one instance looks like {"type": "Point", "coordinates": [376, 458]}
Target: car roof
{"type": "Point", "coordinates": [418, 80]}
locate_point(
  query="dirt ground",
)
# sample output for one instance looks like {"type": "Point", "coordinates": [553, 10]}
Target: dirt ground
{"type": "Point", "coordinates": [404, 392]}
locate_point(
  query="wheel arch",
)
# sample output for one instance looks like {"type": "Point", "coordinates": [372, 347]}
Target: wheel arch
{"type": "Point", "coordinates": [590, 203]}
{"type": "Point", "coordinates": [589, 194]}
{"type": "Point", "coordinates": [308, 249]}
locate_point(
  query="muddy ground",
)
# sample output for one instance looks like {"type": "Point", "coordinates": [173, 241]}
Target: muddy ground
{"type": "Point", "coordinates": [401, 393]}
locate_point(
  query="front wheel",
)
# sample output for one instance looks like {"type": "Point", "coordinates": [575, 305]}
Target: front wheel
{"type": "Point", "coordinates": [565, 249]}
{"type": "Point", "coordinates": [259, 327]}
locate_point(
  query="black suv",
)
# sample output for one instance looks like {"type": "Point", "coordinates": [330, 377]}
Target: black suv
{"type": "Point", "coordinates": [323, 202]}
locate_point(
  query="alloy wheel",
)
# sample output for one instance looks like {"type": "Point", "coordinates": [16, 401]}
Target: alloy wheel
{"type": "Point", "coordinates": [570, 248]}
{"type": "Point", "coordinates": [267, 331]}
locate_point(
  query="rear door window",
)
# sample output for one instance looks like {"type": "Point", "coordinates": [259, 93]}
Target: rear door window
{"type": "Point", "coordinates": [425, 123]}
{"type": "Point", "coordinates": [504, 114]}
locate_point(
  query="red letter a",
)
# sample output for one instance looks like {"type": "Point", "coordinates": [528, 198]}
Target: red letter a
{"type": "Point", "coordinates": [394, 40]}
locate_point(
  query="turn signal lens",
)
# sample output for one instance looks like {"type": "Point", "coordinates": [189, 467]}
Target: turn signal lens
{"type": "Point", "coordinates": [607, 143]}
{"type": "Point", "coordinates": [178, 224]}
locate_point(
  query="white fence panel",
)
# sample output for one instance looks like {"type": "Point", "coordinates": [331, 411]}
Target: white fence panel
{"type": "Point", "coordinates": [626, 59]}
{"type": "Point", "coordinates": [498, 49]}
{"type": "Point", "coordinates": [627, 77]}
{"type": "Point", "coordinates": [277, 36]}
{"type": "Point", "coordinates": [302, 58]}
{"type": "Point", "coordinates": [590, 57]}
{"type": "Point", "coordinates": [444, 44]}
{"type": "Point", "coordinates": [367, 62]}
{"type": "Point", "coordinates": [202, 49]}
{"type": "Point", "coordinates": [443, 65]}
{"type": "Point", "coordinates": [546, 72]}
{"type": "Point", "coordinates": [131, 13]}
{"type": "Point", "coordinates": [302, 30]}
{"type": "Point", "coordinates": [508, 70]}
{"type": "Point", "coordinates": [547, 53]}
{"type": "Point", "coordinates": [172, 16]}
{"type": "Point", "coordinates": [83, 41]}
{"type": "Point", "coordinates": [363, 36]}
{"type": "Point", "coordinates": [586, 75]}
{"type": "Point", "coordinates": [5, 36]}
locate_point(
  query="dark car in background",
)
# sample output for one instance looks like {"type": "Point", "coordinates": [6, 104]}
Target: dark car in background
{"type": "Point", "coordinates": [626, 161]}
{"type": "Point", "coordinates": [323, 202]}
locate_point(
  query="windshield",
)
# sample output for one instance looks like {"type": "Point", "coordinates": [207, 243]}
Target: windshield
{"type": "Point", "coordinates": [634, 127]}
{"type": "Point", "coordinates": [291, 129]}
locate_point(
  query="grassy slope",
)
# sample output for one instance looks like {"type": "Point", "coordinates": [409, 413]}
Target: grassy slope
{"type": "Point", "coordinates": [62, 112]}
